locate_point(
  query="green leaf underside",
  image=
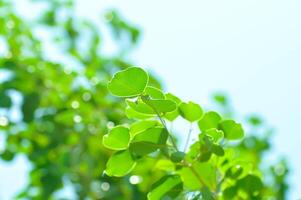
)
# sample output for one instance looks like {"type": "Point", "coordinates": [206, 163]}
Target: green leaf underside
{"type": "Point", "coordinates": [117, 139]}
{"type": "Point", "coordinates": [231, 129]}
{"type": "Point", "coordinates": [129, 82]}
{"type": "Point", "coordinates": [205, 172]}
{"type": "Point", "coordinates": [120, 164]}
{"type": "Point", "coordinates": [168, 186]}
{"type": "Point", "coordinates": [154, 93]}
{"type": "Point", "coordinates": [141, 126]}
{"type": "Point", "coordinates": [190, 111]}
{"type": "Point", "coordinates": [209, 120]}
{"type": "Point", "coordinates": [149, 141]}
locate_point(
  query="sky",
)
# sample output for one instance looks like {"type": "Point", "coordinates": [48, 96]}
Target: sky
{"type": "Point", "coordinates": [250, 49]}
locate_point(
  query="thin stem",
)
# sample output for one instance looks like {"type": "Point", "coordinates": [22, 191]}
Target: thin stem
{"type": "Point", "coordinates": [165, 127]}
{"type": "Point", "coordinates": [164, 124]}
{"type": "Point", "coordinates": [188, 138]}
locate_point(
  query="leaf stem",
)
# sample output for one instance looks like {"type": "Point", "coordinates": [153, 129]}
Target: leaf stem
{"type": "Point", "coordinates": [188, 138]}
{"type": "Point", "coordinates": [165, 127]}
{"type": "Point", "coordinates": [170, 136]}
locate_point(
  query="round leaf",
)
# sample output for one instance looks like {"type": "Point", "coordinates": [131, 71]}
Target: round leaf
{"type": "Point", "coordinates": [129, 82]}
{"type": "Point", "coordinates": [120, 164]}
{"type": "Point", "coordinates": [231, 129]}
{"type": "Point", "coordinates": [209, 120]}
{"type": "Point", "coordinates": [190, 111]}
{"type": "Point", "coordinates": [154, 93]}
{"type": "Point", "coordinates": [117, 139]}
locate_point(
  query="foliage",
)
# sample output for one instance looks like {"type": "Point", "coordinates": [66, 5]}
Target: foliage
{"type": "Point", "coordinates": [58, 87]}
{"type": "Point", "coordinates": [218, 165]}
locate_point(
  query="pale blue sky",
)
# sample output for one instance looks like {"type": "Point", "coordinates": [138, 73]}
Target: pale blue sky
{"type": "Point", "coordinates": [250, 49]}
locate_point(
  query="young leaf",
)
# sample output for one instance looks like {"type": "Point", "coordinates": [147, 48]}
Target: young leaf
{"type": "Point", "coordinates": [154, 93]}
{"type": "Point", "coordinates": [120, 164]}
{"type": "Point", "coordinates": [130, 82]}
{"type": "Point", "coordinates": [209, 120]}
{"type": "Point", "coordinates": [149, 141]}
{"type": "Point", "coordinates": [117, 139]}
{"type": "Point", "coordinates": [168, 186]}
{"type": "Point", "coordinates": [190, 111]}
{"type": "Point", "coordinates": [231, 129]}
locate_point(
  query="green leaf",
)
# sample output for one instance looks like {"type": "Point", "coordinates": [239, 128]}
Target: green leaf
{"type": "Point", "coordinates": [250, 184]}
{"type": "Point", "coordinates": [231, 129]}
{"type": "Point", "coordinates": [5, 100]}
{"type": "Point", "coordinates": [230, 192]}
{"type": "Point", "coordinates": [165, 165]}
{"type": "Point", "coordinates": [171, 116]}
{"type": "Point", "coordinates": [168, 186]}
{"type": "Point", "coordinates": [120, 164]}
{"type": "Point", "coordinates": [202, 173]}
{"type": "Point", "coordinates": [221, 99]}
{"type": "Point", "coordinates": [130, 82]}
{"type": "Point", "coordinates": [255, 120]}
{"type": "Point", "coordinates": [149, 141]}
{"type": "Point", "coordinates": [140, 106]}
{"type": "Point", "coordinates": [132, 114]}
{"type": "Point", "coordinates": [217, 150]}
{"type": "Point", "coordinates": [209, 120]}
{"type": "Point", "coordinates": [29, 106]}
{"type": "Point", "coordinates": [215, 134]}
{"type": "Point", "coordinates": [206, 194]}
{"type": "Point", "coordinates": [234, 172]}
{"type": "Point", "coordinates": [141, 126]}
{"type": "Point", "coordinates": [162, 106]}
{"type": "Point", "coordinates": [190, 111]}
{"type": "Point", "coordinates": [117, 139]}
{"type": "Point", "coordinates": [154, 93]}
{"type": "Point", "coordinates": [177, 157]}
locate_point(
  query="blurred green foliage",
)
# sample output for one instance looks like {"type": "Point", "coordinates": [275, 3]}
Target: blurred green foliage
{"type": "Point", "coordinates": [58, 87]}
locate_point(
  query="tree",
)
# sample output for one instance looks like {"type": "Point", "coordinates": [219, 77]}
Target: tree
{"type": "Point", "coordinates": [65, 109]}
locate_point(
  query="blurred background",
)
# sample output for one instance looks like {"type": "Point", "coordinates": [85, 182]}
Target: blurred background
{"type": "Point", "coordinates": [248, 49]}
